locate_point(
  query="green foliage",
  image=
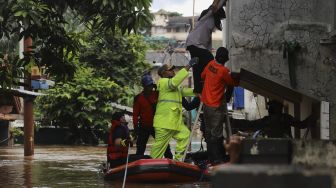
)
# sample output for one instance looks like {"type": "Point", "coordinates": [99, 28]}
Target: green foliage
{"type": "Point", "coordinates": [105, 15]}
{"type": "Point", "coordinates": [15, 132]}
{"type": "Point", "coordinates": [174, 14]}
{"type": "Point", "coordinates": [122, 59]}
{"type": "Point", "coordinates": [83, 103]}
{"type": "Point", "coordinates": [159, 43]}
{"type": "Point", "coordinates": [10, 73]}
{"type": "Point", "coordinates": [45, 22]}
{"type": "Point", "coordinates": [67, 33]}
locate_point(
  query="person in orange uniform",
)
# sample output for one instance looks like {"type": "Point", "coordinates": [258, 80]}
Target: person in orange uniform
{"type": "Point", "coordinates": [143, 113]}
{"type": "Point", "coordinates": [216, 77]}
{"type": "Point", "coordinates": [119, 140]}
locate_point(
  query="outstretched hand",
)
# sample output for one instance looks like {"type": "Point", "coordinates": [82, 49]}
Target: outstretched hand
{"type": "Point", "coordinates": [193, 61]}
{"type": "Point", "coordinates": [219, 4]}
{"type": "Point", "coordinates": [126, 143]}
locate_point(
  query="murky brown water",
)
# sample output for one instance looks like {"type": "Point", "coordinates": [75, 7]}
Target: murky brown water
{"type": "Point", "coordinates": [62, 166]}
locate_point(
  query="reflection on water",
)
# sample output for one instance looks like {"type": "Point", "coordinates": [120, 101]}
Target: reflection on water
{"type": "Point", "coordinates": [58, 166]}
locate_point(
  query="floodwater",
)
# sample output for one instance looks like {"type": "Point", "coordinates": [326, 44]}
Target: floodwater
{"type": "Point", "coordinates": [63, 166]}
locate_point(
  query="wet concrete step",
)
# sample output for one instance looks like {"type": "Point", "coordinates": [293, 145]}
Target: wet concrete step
{"type": "Point", "coordinates": [266, 151]}
{"type": "Point", "coordinates": [266, 176]}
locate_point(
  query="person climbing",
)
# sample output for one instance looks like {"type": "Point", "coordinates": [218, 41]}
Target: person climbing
{"type": "Point", "coordinates": [168, 121]}
{"type": "Point", "coordinates": [199, 40]}
{"type": "Point", "coordinates": [276, 125]}
{"type": "Point", "coordinates": [119, 140]}
{"type": "Point", "coordinates": [143, 113]}
{"type": "Point", "coordinates": [216, 77]}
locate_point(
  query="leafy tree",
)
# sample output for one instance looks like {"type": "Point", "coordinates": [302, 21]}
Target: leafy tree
{"type": "Point", "coordinates": [174, 14]}
{"type": "Point", "coordinates": [160, 43]}
{"type": "Point", "coordinates": [56, 45]}
{"type": "Point", "coordinates": [80, 104]}
{"type": "Point", "coordinates": [10, 73]}
{"type": "Point", "coordinates": [45, 22]}
{"type": "Point", "coordinates": [122, 59]}
{"type": "Point", "coordinates": [116, 57]}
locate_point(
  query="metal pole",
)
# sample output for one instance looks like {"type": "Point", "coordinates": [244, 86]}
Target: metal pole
{"type": "Point", "coordinates": [193, 129]}
{"type": "Point", "coordinates": [28, 111]}
{"type": "Point", "coordinates": [227, 32]}
{"type": "Point", "coordinates": [193, 17]}
{"type": "Point", "coordinates": [227, 124]}
{"type": "Point", "coordinates": [125, 174]}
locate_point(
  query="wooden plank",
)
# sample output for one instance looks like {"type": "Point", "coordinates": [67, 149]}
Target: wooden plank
{"type": "Point", "coordinates": [268, 88]}
{"type": "Point", "coordinates": [7, 117]}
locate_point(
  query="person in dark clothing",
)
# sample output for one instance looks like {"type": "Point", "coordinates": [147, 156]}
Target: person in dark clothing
{"type": "Point", "coordinates": [199, 40]}
{"type": "Point", "coordinates": [276, 125]}
{"type": "Point", "coordinates": [119, 141]}
{"type": "Point", "coordinates": [143, 113]}
{"type": "Point", "coordinates": [193, 104]}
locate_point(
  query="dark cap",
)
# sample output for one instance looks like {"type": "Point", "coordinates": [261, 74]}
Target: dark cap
{"type": "Point", "coordinates": [222, 52]}
{"type": "Point", "coordinates": [147, 80]}
{"type": "Point", "coordinates": [274, 103]}
{"type": "Point", "coordinates": [117, 115]}
{"type": "Point", "coordinates": [165, 67]}
{"type": "Point", "coordinates": [274, 107]}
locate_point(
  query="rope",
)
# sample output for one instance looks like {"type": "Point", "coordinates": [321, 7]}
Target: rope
{"type": "Point", "coordinates": [255, 100]}
{"type": "Point", "coordinates": [123, 186]}
{"type": "Point", "coordinates": [201, 148]}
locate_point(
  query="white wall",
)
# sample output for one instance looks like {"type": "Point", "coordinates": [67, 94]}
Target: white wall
{"type": "Point", "coordinates": [254, 106]}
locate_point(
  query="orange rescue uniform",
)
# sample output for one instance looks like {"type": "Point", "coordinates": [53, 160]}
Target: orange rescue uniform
{"type": "Point", "coordinates": [216, 77]}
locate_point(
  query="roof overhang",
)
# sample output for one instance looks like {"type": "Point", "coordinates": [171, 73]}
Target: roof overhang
{"type": "Point", "coordinates": [17, 104]}
{"type": "Point", "coordinates": [22, 93]}
{"type": "Point", "coordinates": [268, 88]}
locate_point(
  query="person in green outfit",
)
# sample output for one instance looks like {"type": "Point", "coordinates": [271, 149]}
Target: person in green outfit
{"type": "Point", "coordinates": [168, 121]}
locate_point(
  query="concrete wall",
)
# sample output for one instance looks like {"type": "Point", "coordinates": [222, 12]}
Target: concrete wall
{"type": "Point", "coordinates": [316, 154]}
{"type": "Point", "coordinates": [160, 19]}
{"type": "Point", "coordinates": [255, 107]}
{"type": "Point", "coordinates": [258, 30]}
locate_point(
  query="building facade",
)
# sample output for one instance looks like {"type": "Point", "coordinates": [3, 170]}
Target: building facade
{"type": "Point", "coordinates": [177, 27]}
{"type": "Point", "coordinates": [292, 43]}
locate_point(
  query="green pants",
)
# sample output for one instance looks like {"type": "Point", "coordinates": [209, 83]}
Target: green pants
{"type": "Point", "coordinates": [162, 138]}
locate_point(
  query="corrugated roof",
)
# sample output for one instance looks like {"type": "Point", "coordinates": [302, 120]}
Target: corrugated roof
{"type": "Point", "coordinates": [180, 21]}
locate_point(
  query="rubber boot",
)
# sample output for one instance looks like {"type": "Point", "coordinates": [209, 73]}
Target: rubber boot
{"type": "Point", "coordinates": [221, 150]}
{"type": "Point", "coordinates": [214, 154]}
{"type": "Point", "coordinates": [168, 154]}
